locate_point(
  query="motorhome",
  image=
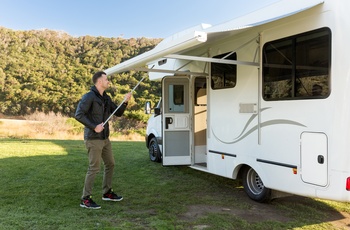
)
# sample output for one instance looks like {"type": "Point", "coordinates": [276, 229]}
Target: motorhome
{"type": "Point", "coordinates": [264, 98]}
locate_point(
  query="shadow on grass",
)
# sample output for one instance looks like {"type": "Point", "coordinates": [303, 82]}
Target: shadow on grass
{"type": "Point", "coordinates": [41, 189]}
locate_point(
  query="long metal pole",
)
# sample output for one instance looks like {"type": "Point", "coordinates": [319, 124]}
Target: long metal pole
{"type": "Point", "coordinates": [122, 102]}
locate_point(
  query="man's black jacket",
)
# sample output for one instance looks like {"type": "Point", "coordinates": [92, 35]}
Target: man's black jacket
{"type": "Point", "coordinates": [92, 110]}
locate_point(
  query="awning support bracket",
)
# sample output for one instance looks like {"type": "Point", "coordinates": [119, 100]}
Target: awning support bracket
{"type": "Point", "coordinates": [213, 60]}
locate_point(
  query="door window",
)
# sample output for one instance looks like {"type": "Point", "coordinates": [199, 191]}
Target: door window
{"type": "Point", "coordinates": [175, 99]}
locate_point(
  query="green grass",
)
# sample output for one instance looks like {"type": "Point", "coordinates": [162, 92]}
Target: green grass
{"type": "Point", "coordinates": [42, 180]}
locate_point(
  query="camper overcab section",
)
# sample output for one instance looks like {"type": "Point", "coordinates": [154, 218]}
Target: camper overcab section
{"type": "Point", "coordinates": [262, 98]}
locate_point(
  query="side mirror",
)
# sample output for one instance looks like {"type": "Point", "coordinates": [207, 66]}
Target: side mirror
{"type": "Point", "coordinates": [148, 107]}
{"type": "Point", "coordinates": [157, 111]}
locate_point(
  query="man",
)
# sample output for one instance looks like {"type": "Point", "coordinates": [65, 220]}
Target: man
{"type": "Point", "coordinates": [93, 109]}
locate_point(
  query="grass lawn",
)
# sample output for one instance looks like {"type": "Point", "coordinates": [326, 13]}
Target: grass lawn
{"type": "Point", "coordinates": [42, 180]}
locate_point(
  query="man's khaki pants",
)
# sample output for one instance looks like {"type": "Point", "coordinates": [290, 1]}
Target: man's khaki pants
{"type": "Point", "coordinates": [97, 150]}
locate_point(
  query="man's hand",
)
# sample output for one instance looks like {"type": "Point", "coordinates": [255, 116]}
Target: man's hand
{"type": "Point", "coordinates": [99, 128]}
{"type": "Point", "coordinates": [127, 97]}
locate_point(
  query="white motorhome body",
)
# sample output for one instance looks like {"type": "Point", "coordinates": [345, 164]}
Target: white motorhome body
{"type": "Point", "coordinates": [264, 97]}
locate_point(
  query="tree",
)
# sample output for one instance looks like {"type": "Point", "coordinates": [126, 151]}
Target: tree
{"type": "Point", "coordinates": [49, 71]}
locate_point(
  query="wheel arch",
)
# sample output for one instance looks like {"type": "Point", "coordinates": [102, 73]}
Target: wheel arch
{"type": "Point", "coordinates": [240, 173]}
{"type": "Point", "coordinates": [149, 138]}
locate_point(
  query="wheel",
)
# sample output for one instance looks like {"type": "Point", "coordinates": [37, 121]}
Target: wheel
{"type": "Point", "coordinates": [254, 187]}
{"type": "Point", "coordinates": [154, 152]}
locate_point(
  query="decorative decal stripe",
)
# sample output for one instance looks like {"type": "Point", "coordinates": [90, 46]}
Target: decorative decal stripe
{"type": "Point", "coordinates": [246, 132]}
{"type": "Point", "coordinates": [250, 121]}
{"type": "Point", "coordinates": [277, 163]}
{"type": "Point", "coordinates": [222, 153]}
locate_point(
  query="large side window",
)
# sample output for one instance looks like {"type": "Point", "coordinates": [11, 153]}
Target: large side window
{"type": "Point", "coordinates": [224, 75]}
{"type": "Point", "coordinates": [298, 67]}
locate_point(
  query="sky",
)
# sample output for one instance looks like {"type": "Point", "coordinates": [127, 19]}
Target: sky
{"type": "Point", "coordinates": [121, 18]}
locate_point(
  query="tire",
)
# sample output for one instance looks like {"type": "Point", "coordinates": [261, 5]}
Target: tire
{"type": "Point", "coordinates": [154, 151]}
{"type": "Point", "coordinates": [254, 187]}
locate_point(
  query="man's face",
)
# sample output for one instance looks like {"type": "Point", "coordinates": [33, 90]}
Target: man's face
{"type": "Point", "coordinates": [104, 81]}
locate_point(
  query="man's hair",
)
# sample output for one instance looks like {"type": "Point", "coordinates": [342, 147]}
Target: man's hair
{"type": "Point", "coordinates": [97, 76]}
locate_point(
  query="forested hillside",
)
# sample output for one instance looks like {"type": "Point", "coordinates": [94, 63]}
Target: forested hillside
{"type": "Point", "coordinates": [50, 71]}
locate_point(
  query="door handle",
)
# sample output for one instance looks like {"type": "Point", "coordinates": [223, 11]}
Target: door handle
{"type": "Point", "coordinates": [320, 159]}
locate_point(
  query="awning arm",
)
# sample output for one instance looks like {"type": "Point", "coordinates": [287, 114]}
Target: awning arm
{"type": "Point", "coordinates": [213, 60]}
{"type": "Point", "coordinates": [240, 47]}
{"type": "Point", "coordinates": [171, 71]}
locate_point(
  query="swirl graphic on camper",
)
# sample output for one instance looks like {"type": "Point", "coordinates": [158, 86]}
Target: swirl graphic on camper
{"type": "Point", "coordinates": [246, 132]}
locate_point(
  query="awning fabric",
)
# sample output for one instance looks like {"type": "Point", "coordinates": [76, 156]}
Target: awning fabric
{"type": "Point", "coordinates": [199, 35]}
{"type": "Point", "coordinates": [174, 44]}
{"type": "Point", "coordinates": [273, 12]}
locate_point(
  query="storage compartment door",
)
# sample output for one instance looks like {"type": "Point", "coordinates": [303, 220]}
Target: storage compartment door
{"type": "Point", "coordinates": [314, 158]}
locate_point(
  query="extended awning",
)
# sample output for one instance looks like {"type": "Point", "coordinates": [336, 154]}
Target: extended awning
{"type": "Point", "coordinates": [177, 44]}
{"type": "Point", "coordinates": [174, 44]}
{"type": "Point", "coordinates": [273, 12]}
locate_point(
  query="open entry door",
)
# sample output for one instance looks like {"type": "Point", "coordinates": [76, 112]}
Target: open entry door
{"type": "Point", "coordinates": [176, 121]}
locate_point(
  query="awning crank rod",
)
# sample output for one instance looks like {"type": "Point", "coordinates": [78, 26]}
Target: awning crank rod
{"type": "Point", "coordinates": [123, 101]}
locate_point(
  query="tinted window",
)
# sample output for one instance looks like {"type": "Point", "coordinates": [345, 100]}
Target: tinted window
{"type": "Point", "coordinates": [298, 67]}
{"type": "Point", "coordinates": [224, 75]}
